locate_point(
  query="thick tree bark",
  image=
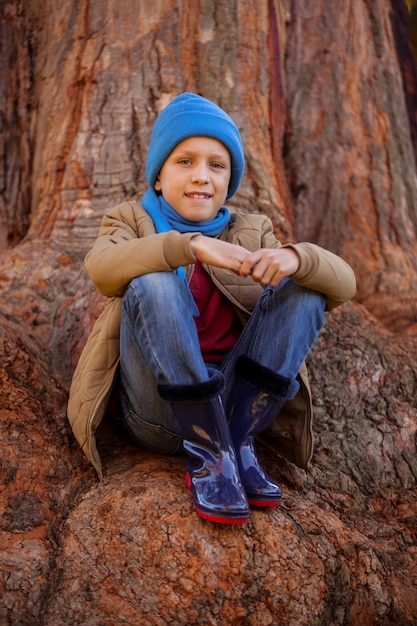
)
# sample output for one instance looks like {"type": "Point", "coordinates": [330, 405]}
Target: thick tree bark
{"type": "Point", "coordinates": [349, 156]}
{"type": "Point", "coordinates": [321, 95]}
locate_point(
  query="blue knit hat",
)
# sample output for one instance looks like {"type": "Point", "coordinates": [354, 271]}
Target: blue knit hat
{"type": "Point", "coordinates": [189, 115]}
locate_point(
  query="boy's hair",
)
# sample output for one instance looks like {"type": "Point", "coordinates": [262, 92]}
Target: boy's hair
{"type": "Point", "coordinates": [189, 115]}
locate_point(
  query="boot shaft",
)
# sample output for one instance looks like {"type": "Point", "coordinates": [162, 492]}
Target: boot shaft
{"type": "Point", "coordinates": [213, 474]}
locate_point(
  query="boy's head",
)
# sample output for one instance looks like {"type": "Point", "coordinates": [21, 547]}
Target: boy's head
{"type": "Point", "coordinates": [189, 115]}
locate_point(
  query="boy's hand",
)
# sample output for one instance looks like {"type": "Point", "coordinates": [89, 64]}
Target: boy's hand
{"type": "Point", "coordinates": [219, 253]}
{"type": "Point", "coordinates": [268, 266]}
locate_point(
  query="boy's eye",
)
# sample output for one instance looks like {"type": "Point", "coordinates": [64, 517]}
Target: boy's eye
{"type": "Point", "coordinates": [213, 164]}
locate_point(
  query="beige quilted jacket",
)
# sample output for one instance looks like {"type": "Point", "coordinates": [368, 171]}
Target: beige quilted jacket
{"type": "Point", "coordinates": [127, 246]}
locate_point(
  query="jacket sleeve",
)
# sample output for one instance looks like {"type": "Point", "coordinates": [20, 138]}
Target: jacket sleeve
{"type": "Point", "coordinates": [127, 246]}
{"type": "Point", "coordinates": [326, 272]}
{"type": "Point", "coordinates": [320, 269]}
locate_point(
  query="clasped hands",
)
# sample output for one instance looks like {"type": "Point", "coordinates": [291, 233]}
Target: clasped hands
{"type": "Point", "coordinates": [266, 265]}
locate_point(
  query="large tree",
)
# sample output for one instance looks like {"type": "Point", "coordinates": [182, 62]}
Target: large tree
{"type": "Point", "coordinates": [324, 95]}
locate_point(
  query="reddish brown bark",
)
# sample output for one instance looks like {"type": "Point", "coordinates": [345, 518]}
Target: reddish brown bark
{"type": "Point", "coordinates": [318, 93]}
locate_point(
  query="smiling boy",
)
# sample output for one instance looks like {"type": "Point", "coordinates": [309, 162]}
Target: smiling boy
{"type": "Point", "coordinates": [215, 316]}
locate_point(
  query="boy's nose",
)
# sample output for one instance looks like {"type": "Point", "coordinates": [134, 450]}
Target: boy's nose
{"type": "Point", "coordinates": [200, 175]}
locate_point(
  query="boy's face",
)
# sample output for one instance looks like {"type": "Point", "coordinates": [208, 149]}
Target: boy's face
{"type": "Point", "coordinates": [194, 179]}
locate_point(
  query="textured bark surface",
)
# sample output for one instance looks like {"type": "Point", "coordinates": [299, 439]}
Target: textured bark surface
{"type": "Point", "coordinates": [323, 102]}
{"type": "Point", "coordinates": [350, 158]}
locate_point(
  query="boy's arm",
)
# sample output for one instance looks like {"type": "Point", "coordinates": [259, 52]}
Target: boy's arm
{"type": "Point", "coordinates": [324, 271]}
{"type": "Point", "coordinates": [319, 269]}
{"type": "Point", "coordinates": [218, 253]}
{"type": "Point", "coordinates": [307, 264]}
{"type": "Point", "coordinates": [127, 246]}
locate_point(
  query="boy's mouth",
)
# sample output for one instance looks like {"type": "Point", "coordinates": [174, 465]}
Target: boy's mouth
{"type": "Point", "coordinates": [196, 195]}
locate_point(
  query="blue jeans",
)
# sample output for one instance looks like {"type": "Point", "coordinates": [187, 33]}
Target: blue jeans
{"type": "Point", "coordinates": [159, 344]}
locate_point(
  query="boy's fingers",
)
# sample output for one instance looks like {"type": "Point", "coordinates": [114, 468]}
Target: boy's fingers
{"type": "Point", "coordinates": [249, 264]}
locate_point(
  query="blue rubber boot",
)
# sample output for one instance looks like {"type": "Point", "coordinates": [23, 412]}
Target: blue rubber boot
{"type": "Point", "coordinates": [254, 402]}
{"type": "Point", "coordinates": [212, 473]}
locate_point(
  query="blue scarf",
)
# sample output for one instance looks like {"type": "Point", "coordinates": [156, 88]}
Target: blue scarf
{"type": "Point", "coordinates": [165, 218]}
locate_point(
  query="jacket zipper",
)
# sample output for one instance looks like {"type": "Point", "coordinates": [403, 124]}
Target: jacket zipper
{"type": "Point", "coordinates": [310, 425]}
{"type": "Point", "coordinates": [90, 421]}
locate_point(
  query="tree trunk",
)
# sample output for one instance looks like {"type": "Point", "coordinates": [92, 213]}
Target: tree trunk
{"type": "Point", "coordinates": [322, 94]}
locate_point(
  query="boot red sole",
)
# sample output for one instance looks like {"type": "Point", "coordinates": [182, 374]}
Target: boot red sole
{"type": "Point", "coordinates": [214, 518]}
{"type": "Point", "coordinates": [220, 520]}
{"type": "Point", "coordinates": [263, 503]}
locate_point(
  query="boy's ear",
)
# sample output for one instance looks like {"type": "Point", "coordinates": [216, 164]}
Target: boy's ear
{"type": "Point", "coordinates": [157, 184]}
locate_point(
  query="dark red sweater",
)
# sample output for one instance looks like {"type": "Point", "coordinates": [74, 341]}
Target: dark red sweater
{"type": "Point", "coordinates": [218, 326]}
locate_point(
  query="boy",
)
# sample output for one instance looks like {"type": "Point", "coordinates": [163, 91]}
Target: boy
{"type": "Point", "coordinates": [216, 318]}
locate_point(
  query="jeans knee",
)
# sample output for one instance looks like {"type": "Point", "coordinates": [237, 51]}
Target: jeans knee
{"type": "Point", "coordinates": [290, 299]}
{"type": "Point", "coordinates": [303, 294]}
{"type": "Point", "coordinates": [157, 288]}
{"type": "Point", "coordinates": [154, 283]}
